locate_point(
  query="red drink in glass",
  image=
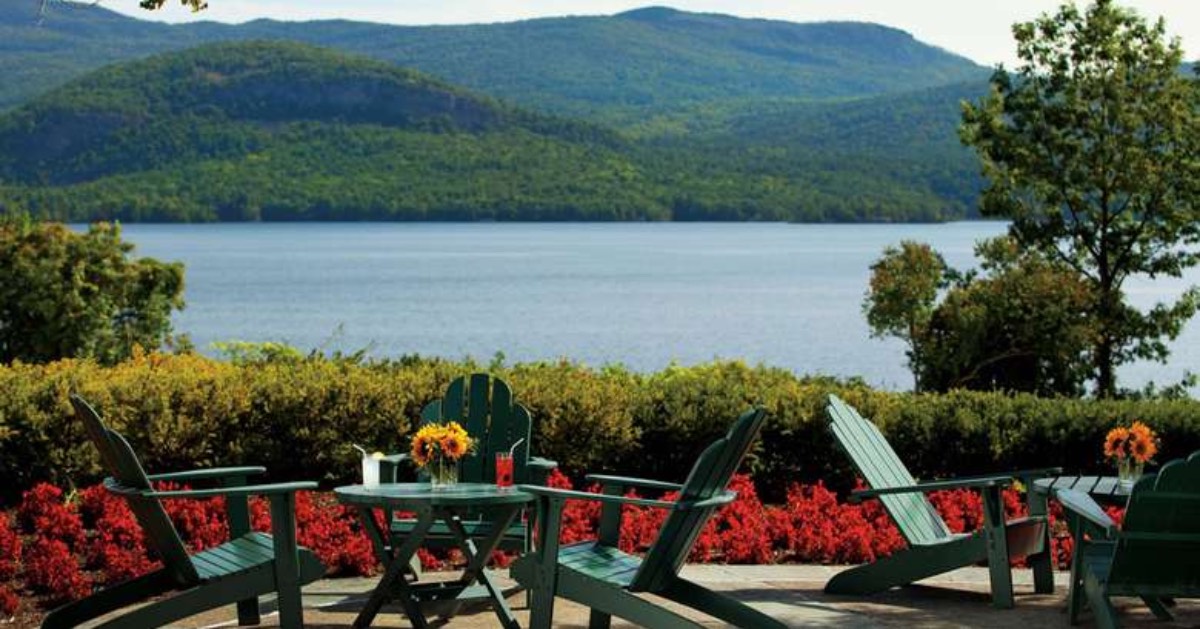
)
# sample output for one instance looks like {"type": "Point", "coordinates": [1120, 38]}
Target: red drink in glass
{"type": "Point", "coordinates": [504, 469]}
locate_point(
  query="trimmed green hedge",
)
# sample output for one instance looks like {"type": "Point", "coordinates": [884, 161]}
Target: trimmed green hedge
{"type": "Point", "coordinates": [299, 417]}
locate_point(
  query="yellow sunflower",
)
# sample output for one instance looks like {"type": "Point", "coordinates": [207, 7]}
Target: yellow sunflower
{"type": "Point", "coordinates": [1115, 443]}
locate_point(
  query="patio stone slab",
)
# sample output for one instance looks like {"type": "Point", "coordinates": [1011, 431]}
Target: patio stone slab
{"type": "Point", "coordinates": [791, 593]}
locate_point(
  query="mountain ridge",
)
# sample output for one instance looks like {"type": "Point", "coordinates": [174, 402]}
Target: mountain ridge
{"type": "Point", "coordinates": [654, 58]}
{"type": "Point", "coordinates": [288, 131]}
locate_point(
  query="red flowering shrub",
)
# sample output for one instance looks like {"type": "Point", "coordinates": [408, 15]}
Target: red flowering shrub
{"type": "Point", "coordinates": [51, 569]}
{"type": "Point", "coordinates": [819, 529]}
{"type": "Point", "coordinates": [44, 512]}
{"type": "Point", "coordinates": [10, 549]}
{"type": "Point", "coordinates": [580, 517]}
{"type": "Point", "coordinates": [200, 522]}
{"type": "Point", "coordinates": [8, 602]}
{"type": "Point", "coordinates": [117, 548]}
{"type": "Point", "coordinates": [100, 532]}
{"type": "Point", "coordinates": [332, 531]}
{"type": "Point", "coordinates": [739, 532]}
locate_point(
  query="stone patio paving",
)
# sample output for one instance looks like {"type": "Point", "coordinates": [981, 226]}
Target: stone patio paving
{"type": "Point", "coordinates": [791, 593]}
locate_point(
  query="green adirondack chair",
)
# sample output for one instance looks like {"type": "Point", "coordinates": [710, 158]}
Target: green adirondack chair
{"type": "Point", "coordinates": [250, 565]}
{"type": "Point", "coordinates": [932, 548]}
{"type": "Point", "coordinates": [1152, 555]}
{"type": "Point", "coordinates": [599, 575]}
{"type": "Point", "coordinates": [484, 406]}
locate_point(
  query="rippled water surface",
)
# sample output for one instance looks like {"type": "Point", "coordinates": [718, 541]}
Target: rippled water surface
{"type": "Point", "coordinates": [638, 294]}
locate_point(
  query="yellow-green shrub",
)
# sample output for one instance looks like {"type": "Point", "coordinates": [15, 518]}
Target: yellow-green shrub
{"type": "Point", "coordinates": [298, 417]}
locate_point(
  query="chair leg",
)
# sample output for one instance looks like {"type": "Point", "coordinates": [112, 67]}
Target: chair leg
{"type": "Point", "coordinates": [1075, 591]}
{"type": "Point", "coordinates": [1102, 609]}
{"type": "Point", "coordinates": [1158, 607]}
{"type": "Point", "coordinates": [616, 601]}
{"type": "Point", "coordinates": [541, 612]}
{"type": "Point", "coordinates": [719, 605]}
{"type": "Point", "coordinates": [287, 560]}
{"type": "Point", "coordinates": [544, 565]}
{"type": "Point", "coordinates": [109, 599]}
{"type": "Point", "coordinates": [599, 620]}
{"type": "Point", "coordinates": [1042, 563]}
{"type": "Point", "coordinates": [247, 613]}
{"type": "Point", "coordinates": [996, 539]}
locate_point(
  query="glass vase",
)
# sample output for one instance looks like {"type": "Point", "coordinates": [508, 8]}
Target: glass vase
{"type": "Point", "coordinates": [443, 474]}
{"type": "Point", "coordinates": [1129, 470]}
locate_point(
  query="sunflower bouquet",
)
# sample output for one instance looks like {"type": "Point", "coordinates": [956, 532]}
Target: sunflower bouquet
{"type": "Point", "coordinates": [437, 448]}
{"type": "Point", "coordinates": [1131, 448]}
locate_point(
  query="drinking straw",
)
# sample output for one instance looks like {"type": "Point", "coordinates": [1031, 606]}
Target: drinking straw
{"type": "Point", "coordinates": [514, 446]}
{"type": "Point", "coordinates": [359, 448]}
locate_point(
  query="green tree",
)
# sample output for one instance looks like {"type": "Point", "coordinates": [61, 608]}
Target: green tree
{"type": "Point", "coordinates": [1091, 150]}
{"type": "Point", "coordinates": [65, 294]}
{"type": "Point", "coordinates": [901, 295]}
{"type": "Point", "coordinates": [1020, 326]}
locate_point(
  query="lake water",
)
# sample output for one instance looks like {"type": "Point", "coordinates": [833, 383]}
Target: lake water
{"type": "Point", "coordinates": [635, 293]}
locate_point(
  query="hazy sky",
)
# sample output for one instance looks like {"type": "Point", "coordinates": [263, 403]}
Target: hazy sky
{"type": "Point", "coordinates": [977, 29]}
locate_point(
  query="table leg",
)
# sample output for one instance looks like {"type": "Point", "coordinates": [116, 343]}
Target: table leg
{"type": "Point", "coordinates": [393, 578]}
{"type": "Point", "coordinates": [477, 561]}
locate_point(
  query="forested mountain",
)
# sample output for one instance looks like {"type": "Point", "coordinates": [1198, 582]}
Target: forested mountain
{"type": "Point", "coordinates": [620, 68]}
{"type": "Point", "coordinates": [284, 131]}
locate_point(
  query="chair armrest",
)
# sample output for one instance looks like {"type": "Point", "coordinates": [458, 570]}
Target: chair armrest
{"type": "Point", "coordinates": [205, 474]}
{"type": "Point", "coordinates": [542, 463]}
{"type": "Point", "coordinates": [1001, 480]}
{"type": "Point", "coordinates": [725, 497]}
{"type": "Point", "coordinates": [396, 458]}
{"type": "Point", "coordinates": [1082, 505]}
{"type": "Point", "coordinates": [622, 481]}
{"type": "Point", "coordinates": [1040, 472]}
{"type": "Point", "coordinates": [1023, 475]}
{"type": "Point", "coordinates": [571, 494]}
{"type": "Point", "coordinates": [246, 490]}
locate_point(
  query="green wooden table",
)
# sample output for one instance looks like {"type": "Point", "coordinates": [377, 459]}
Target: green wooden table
{"type": "Point", "coordinates": [1105, 489]}
{"type": "Point", "coordinates": [1108, 489]}
{"type": "Point", "coordinates": [447, 505]}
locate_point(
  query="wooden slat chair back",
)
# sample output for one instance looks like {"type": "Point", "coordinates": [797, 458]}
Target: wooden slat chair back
{"type": "Point", "coordinates": [932, 547]}
{"type": "Point", "coordinates": [601, 576]}
{"type": "Point", "coordinates": [485, 407]}
{"type": "Point", "coordinates": [124, 467]}
{"type": "Point", "coordinates": [249, 565]}
{"type": "Point", "coordinates": [860, 439]}
{"type": "Point", "coordinates": [709, 476]}
{"type": "Point", "coordinates": [1157, 551]}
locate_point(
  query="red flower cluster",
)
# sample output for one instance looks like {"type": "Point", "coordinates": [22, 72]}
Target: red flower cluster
{"type": "Point", "coordinates": [8, 602]}
{"type": "Point", "coordinates": [332, 531]}
{"type": "Point", "coordinates": [44, 512]}
{"type": "Point", "coordinates": [10, 549]}
{"type": "Point", "coordinates": [117, 549]}
{"type": "Point", "coordinates": [201, 523]}
{"type": "Point", "coordinates": [10, 561]}
{"type": "Point", "coordinates": [56, 533]}
{"type": "Point", "coordinates": [813, 527]}
{"type": "Point", "coordinates": [61, 546]}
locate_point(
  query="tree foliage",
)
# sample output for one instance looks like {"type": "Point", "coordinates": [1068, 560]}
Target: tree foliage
{"type": "Point", "coordinates": [65, 294]}
{"type": "Point", "coordinates": [1020, 325]}
{"type": "Point", "coordinates": [901, 296]}
{"type": "Point", "coordinates": [1092, 150]}
{"type": "Point", "coordinates": [284, 131]}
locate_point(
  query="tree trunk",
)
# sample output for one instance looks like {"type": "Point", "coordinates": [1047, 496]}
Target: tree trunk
{"type": "Point", "coordinates": [1106, 381]}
